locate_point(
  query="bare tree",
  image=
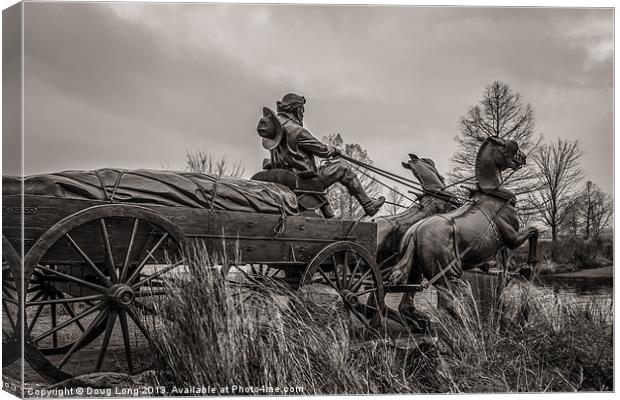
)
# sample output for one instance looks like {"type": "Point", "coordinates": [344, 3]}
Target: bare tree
{"type": "Point", "coordinates": [201, 160]}
{"type": "Point", "coordinates": [499, 113]}
{"type": "Point", "coordinates": [558, 164]}
{"type": "Point", "coordinates": [394, 201]}
{"type": "Point", "coordinates": [573, 221]}
{"type": "Point", "coordinates": [597, 210]}
{"type": "Point", "coordinates": [346, 206]}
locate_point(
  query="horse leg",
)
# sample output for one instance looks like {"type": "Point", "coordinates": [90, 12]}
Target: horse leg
{"type": "Point", "coordinates": [417, 320]}
{"type": "Point", "coordinates": [451, 296]}
{"type": "Point", "coordinates": [532, 258]}
{"type": "Point", "coordinates": [513, 239]}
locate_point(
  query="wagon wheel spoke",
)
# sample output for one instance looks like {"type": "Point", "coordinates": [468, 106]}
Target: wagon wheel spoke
{"type": "Point", "coordinates": [7, 280]}
{"type": "Point", "coordinates": [275, 272]}
{"type": "Point", "coordinates": [111, 320]}
{"type": "Point", "coordinates": [10, 301]}
{"type": "Point", "coordinates": [156, 274]}
{"type": "Point", "coordinates": [68, 322]}
{"type": "Point", "coordinates": [71, 278]}
{"type": "Point", "coordinates": [345, 269]}
{"type": "Point", "coordinates": [54, 322]}
{"type": "Point", "coordinates": [35, 297]}
{"type": "Point", "coordinates": [157, 283]}
{"type": "Point", "coordinates": [253, 270]}
{"type": "Point", "coordinates": [355, 271]}
{"type": "Point", "coordinates": [136, 320]}
{"type": "Point", "coordinates": [152, 293]}
{"type": "Point", "coordinates": [359, 283]}
{"type": "Point", "coordinates": [33, 289]}
{"type": "Point", "coordinates": [70, 311]}
{"type": "Point", "coordinates": [385, 272]}
{"type": "Point", "coordinates": [64, 300]}
{"type": "Point", "coordinates": [89, 262]}
{"type": "Point", "coordinates": [129, 249]}
{"type": "Point", "coordinates": [136, 273]}
{"type": "Point", "coordinates": [37, 313]}
{"type": "Point", "coordinates": [335, 268]}
{"type": "Point", "coordinates": [364, 319]}
{"type": "Point", "coordinates": [327, 280]}
{"type": "Point", "coordinates": [102, 315]}
{"type": "Point", "coordinates": [144, 307]}
{"type": "Point", "coordinates": [125, 331]}
{"type": "Point", "coordinates": [364, 292]}
{"type": "Point", "coordinates": [108, 251]}
{"type": "Point", "coordinates": [8, 314]}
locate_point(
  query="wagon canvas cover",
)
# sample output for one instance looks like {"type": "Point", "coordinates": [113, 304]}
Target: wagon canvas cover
{"type": "Point", "coordinates": [155, 187]}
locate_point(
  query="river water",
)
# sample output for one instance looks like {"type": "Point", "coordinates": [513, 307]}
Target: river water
{"type": "Point", "coordinates": [595, 292]}
{"type": "Point", "coordinates": [581, 290]}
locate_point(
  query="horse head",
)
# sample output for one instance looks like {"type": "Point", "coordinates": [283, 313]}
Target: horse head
{"type": "Point", "coordinates": [505, 153]}
{"type": "Point", "coordinates": [425, 171]}
{"type": "Point", "coordinates": [494, 156]}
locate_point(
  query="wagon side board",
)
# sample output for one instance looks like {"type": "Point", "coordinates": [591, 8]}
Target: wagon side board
{"type": "Point", "coordinates": [239, 237]}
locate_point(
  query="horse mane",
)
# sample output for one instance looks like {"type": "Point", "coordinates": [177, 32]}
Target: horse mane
{"type": "Point", "coordinates": [479, 154]}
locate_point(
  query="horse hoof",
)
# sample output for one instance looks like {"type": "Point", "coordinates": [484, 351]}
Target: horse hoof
{"type": "Point", "coordinates": [417, 321]}
{"type": "Point", "coordinates": [526, 272]}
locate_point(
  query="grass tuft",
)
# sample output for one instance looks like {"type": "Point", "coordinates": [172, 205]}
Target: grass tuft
{"type": "Point", "coordinates": [263, 334]}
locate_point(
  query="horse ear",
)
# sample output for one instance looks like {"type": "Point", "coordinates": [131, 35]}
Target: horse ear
{"type": "Point", "coordinates": [496, 140]}
{"type": "Point", "coordinates": [406, 165]}
{"type": "Point", "coordinates": [413, 156]}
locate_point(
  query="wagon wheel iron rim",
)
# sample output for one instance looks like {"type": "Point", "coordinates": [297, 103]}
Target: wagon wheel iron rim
{"type": "Point", "coordinates": [109, 294]}
{"type": "Point", "coordinates": [11, 312]}
{"type": "Point", "coordinates": [349, 269]}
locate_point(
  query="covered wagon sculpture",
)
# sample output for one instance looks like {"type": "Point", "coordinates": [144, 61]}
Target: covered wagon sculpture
{"type": "Point", "coordinates": [99, 245]}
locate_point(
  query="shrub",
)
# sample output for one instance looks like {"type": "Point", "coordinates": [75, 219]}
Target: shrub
{"type": "Point", "coordinates": [571, 253]}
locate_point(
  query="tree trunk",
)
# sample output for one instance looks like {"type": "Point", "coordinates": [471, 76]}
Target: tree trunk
{"type": "Point", "coordinates": [554, 239]}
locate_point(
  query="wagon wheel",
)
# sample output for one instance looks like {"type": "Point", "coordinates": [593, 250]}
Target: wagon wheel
{"type": "Point", "coordinates": [258, 273]}
{"type": "Point", "coordinates": [44, 294]}
{"type": "Point", "coordinates": [246, 283]}
{"type": "Point", "coordinates": [350, 270]}
{"type": "Point", "coordinates": [11, 267]}
{"type": "Point", "coordinates": [94, 312]}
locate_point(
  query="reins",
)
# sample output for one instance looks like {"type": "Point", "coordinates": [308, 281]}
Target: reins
{"type": "Point", "coordinates": [394, 177]}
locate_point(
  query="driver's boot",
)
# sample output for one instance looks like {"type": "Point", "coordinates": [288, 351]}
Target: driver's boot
{"type": "Point", "coordinates": [341, 172]}
{"type": "Point", "coordinates": [370, 206]}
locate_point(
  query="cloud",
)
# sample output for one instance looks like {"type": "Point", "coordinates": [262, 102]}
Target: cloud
{"type": "Point", "coordinates": [145, 81]}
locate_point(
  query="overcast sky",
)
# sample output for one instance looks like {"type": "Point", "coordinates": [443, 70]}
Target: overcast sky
{"type": "Point", "coordinates": [134, 85]}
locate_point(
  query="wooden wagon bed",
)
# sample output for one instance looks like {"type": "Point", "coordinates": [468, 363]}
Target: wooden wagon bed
{"type": "Point", "coordinates": [93, 261]}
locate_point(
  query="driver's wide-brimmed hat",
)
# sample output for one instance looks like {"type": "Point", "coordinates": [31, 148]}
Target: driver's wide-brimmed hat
{"type": "Point", "coordinates": [270, 129]}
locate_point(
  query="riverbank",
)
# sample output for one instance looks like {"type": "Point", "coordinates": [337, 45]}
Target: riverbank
{"type": "Point", "coordinates": [594, 273]}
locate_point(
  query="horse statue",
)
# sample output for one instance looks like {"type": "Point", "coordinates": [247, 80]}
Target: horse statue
{"type": "Point", "coordinates": [441, 246]}
{"type": "Point", "coordinates": [434, 199]}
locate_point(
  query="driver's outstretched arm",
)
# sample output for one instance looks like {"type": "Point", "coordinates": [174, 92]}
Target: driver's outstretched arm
{"type": "Point", "coordinates": [312, 145]}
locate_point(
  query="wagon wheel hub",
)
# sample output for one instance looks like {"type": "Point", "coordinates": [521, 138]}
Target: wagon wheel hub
{"type": "Point", "coordinates": [121, 295]}
{"type": "Point", "coordinates": [350, 297]}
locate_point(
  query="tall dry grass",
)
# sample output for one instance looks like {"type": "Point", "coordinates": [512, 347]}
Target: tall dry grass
{"type": "Point", "coordinates": [262, 334]}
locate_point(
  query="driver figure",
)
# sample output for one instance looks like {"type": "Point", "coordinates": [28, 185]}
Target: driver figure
{"type": "Point", "coordinates": [296, 150]}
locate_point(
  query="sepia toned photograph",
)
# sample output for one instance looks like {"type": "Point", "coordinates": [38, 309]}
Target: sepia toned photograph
{"type": "Point", "coordinates": [206, 199]}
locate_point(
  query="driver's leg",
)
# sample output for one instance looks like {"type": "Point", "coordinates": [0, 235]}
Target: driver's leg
{"type": "Point", "coordinates": [340, 171]}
